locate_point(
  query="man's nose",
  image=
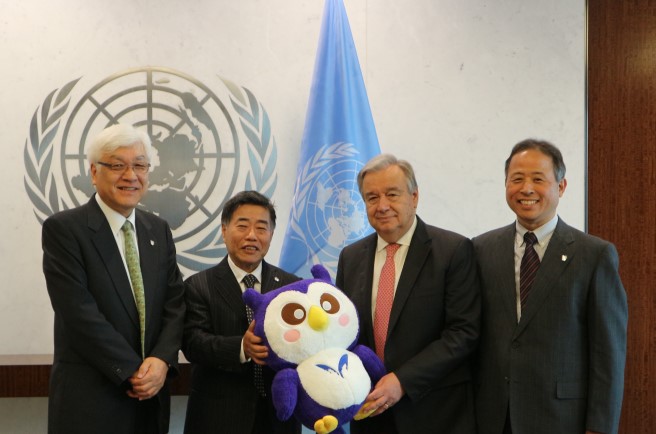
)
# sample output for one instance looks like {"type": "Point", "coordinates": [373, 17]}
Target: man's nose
{"type": "Point", "coordinates": [383, 203]}
{"type": "Point", "coordinates": [129, 172]}
{"type": "Point", "coordinates": [527, 187]}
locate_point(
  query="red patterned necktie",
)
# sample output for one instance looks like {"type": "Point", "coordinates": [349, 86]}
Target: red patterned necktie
{"type": "Point", "coordinates": [384, 300]}
{"type": "Point", "coordinates": [528, 268]}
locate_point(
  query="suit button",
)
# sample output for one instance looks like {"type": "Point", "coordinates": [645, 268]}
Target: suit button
{"type": "Point", "coordinates": [516, 344]}
{"type": "Point", "coordinates": [507, 379]}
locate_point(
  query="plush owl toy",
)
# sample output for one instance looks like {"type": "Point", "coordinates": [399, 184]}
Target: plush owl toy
{"type": "Point", "coordinates": [311, 329]}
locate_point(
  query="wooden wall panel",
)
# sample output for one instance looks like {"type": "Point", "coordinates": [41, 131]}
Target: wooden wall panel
{"type": "Point", "coordinates": [28, 376]}
{"type": "Point", "coordinates": [622, 178]}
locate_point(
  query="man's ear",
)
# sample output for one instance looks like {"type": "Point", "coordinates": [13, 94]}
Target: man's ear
{"type": "Point", "coordinates": [562, 185]}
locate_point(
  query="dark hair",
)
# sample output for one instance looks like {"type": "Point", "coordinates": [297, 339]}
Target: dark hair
{"type": "Point", "coordinates": [249, 197]}
{"type": "Point", "coordinates": [547, 149]}
{"type": "Point", "coordinates": [382, 162]}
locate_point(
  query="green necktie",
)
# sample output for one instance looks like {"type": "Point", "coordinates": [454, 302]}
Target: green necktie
{"type": "Point", "coordinates": [132, 259]}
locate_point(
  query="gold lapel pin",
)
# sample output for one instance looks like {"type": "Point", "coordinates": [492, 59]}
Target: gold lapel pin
{"type": "Point", "coordinates": [152, 243]}
{"type": "Point", "coordinates": [563, 258]}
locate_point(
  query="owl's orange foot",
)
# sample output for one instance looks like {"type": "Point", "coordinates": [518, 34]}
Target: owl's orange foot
{"type": "Point", "coordinates": [326, 425]}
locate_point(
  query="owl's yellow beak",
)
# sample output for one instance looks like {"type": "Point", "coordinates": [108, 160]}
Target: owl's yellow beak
{"type": "Point", "coordinates": [317, 318]}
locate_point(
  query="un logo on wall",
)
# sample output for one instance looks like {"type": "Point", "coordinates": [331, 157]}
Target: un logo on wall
{"type": "Point", "coordinates": [210, 142]}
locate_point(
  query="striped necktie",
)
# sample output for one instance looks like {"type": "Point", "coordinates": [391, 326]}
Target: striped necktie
{"type": "Point", "coordinates": [528, 268]}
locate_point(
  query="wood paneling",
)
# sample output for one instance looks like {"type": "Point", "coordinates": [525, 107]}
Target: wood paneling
{"type": "Point", "coordinates": [28, 376]}
{"type": "Point", "coordinates": [622, 178]}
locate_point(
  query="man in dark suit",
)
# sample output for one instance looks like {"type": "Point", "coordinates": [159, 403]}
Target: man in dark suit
{"type": "Point", "coordinates": [427, 338]}
{"type": "Point", "coordinates": [111, 357]}
{"type": "Point", "coordinates": [552, 352]}
{"type": "Point", "coordinates": [230, 389]}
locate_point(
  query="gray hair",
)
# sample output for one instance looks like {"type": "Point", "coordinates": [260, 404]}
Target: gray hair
{"type": "Point", "coordinates": [383, 161]}
{"type": "Point", "coordinates": [118, 136]}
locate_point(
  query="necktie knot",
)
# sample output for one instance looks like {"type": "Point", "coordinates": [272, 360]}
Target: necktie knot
{"type": "Point", "coordinates": [249, 280]}
{"type": "Point", "coordinates": [391, 249]}
{"type": "Point", "coordinates": [530, 238]}
{"type": "Point", "coordinates": [127, 227]}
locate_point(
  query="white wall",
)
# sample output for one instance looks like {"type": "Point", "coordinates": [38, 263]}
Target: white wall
{"type": "Point", "coordinates": [452, 84]}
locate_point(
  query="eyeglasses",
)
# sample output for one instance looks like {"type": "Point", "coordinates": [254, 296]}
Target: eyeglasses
{"type": "Point", "coordinates": [138, 168]}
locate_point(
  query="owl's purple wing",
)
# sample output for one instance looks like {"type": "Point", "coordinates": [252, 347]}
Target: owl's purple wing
{"type": "Point", "coordinates": [371, 362]}
{"type": "Point", "coordinates": [284, 391]}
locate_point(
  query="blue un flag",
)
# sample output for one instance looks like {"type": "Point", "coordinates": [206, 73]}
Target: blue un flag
{"type": "Point", "coordinates": [339, 137]}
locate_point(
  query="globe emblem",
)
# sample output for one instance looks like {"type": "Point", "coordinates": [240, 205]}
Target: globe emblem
{"type": "Point", "coordinates": [336, 215]}
{"type": "Point", "coordinates": [194, 138]}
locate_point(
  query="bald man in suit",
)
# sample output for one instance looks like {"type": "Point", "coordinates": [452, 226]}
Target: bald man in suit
{"type": "Point", "coordinates": [552, 353]}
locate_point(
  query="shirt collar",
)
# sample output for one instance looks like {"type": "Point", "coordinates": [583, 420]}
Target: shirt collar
{"type": "Point", "coordinates": [115, 219]}
{"type": "Point", "coordinates": [403, 241]}
{"type": "Point", "coordinates": [542, 233]}
{"type": "Point", "coordinates": [240, 274]}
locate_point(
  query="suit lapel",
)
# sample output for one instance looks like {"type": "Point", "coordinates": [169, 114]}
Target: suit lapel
{"type": "Point", "coordinates": [105, 244]}
{"type": "Point", "coordinates": [558, 256]}
{"type": "Point", "coordinates": [418, 251]}
{"type": "Point", "coordinates": [270, 278]}
{"type": "Point", "coordinates": [225, 285]}
{"type": "Point", "coordinates": [504, 262]}
{"type": "Point", "coordinates": [363, 278]}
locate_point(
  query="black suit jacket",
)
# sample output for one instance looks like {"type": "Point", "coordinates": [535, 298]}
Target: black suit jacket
{"type": "Point", "coordinates": [97, 338]}
{"type": "Point", "coordinates": [561, 368]}
{"type": "Point", "coordinates": [433, 328]}
{"type": "Point", "coordinates": [223, 397]}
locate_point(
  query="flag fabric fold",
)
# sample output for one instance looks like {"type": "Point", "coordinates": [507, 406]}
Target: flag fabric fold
{"type": "Point", "coordinates": [339, 137]}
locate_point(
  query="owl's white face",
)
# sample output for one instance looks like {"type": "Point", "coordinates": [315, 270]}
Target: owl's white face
{"type": "Point", "coordinates": [298, 325]}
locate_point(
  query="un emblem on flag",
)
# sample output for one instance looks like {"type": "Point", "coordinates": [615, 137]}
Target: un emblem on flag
{"type": "Point", "coordinates": [329, 214]}
{"type": "Point", "coordinates": [201, 136]}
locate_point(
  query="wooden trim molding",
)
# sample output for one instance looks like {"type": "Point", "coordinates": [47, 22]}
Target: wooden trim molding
{"type": "Point", "coordinates": [23, 376]}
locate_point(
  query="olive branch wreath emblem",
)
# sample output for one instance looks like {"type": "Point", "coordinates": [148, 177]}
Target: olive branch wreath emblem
{"type": "Point", "coordinates": [262, 155]}
{"type": "Point", "coordinates": [262, 149]}
{"type": "Point", "coordinates": [41, 186]}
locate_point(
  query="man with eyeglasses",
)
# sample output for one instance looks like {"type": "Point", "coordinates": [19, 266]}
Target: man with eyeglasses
{"type": "Point", "coordinates": [117, 294]}
{"type": "Point", "coordinates": [417, 295]}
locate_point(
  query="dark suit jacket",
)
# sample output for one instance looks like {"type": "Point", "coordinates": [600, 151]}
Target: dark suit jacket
{"type": "Point", "coordinates": [561, 369]}
{"type": "Point", "coordinates": [97, 338]}
{"type": "Point", "coordinates": [433, 328]}
{"type": "Point", "coordinates": [223, 397]}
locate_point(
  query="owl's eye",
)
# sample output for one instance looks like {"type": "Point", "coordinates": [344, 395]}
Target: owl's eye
{"type": "Point", "coordinates": [293, 313]}
{"type": "Point", "coordinates": [329, 303]}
